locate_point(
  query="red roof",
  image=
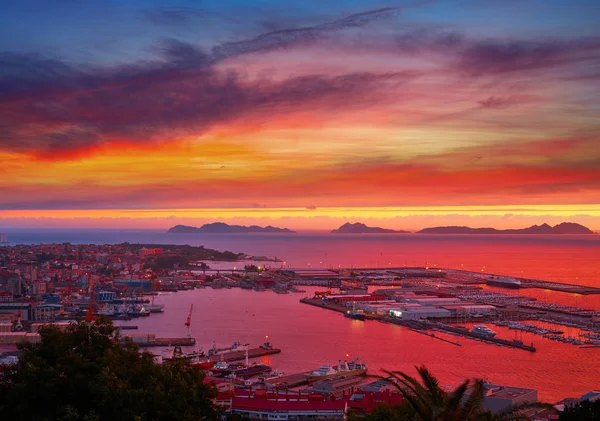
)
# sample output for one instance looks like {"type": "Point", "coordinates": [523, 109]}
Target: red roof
{"type": "Point", "coordinates": [263, 404]}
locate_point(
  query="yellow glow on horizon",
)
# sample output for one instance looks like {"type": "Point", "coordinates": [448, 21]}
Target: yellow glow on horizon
{"type": "Point", "coordinates": [333, 212]}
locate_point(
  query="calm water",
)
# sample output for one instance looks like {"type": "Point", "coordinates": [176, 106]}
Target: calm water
{"type": "Point", "coordinates": [310, 336]}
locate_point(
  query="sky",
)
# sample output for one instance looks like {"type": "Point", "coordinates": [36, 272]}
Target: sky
{"type": "Point", "coordinates": [303, 114]}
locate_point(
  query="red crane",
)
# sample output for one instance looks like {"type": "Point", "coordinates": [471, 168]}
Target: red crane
{"type": "Point", "coordinates": [188, 322]}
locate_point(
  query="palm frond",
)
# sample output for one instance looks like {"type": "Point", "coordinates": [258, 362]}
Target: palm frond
{"type": "Point", "coordinates": [474, 401]}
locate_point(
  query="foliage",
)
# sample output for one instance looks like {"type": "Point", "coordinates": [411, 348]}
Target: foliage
{"type": "Point", "coordinates": [169, 262]}
{"type": "Point", "coordinates": [427, 401]}
{"type": "Point", "coordinates": [582, 411]}
{"type": "Point", "coordinates": [251, 268]}
{"type": "Point", "coordinates": [86, 374]}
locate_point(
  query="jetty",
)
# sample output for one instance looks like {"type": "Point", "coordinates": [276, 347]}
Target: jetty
{"type": "Point", "coordinates": [241, 355]}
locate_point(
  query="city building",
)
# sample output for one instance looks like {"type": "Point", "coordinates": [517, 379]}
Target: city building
{"type": "Point", "coordinates": [500, 397]}
{"type": "Point", "coordinates": [336, 388]}
{"type": "Point", "coordinates": [263, 405]}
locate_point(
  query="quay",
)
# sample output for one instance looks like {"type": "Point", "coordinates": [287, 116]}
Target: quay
{"type": "Point", "coordinates": [318, 302]}
{"type": "Point", "coordinates": [241, 355]}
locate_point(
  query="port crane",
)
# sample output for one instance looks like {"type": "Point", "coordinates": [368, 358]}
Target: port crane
{"type": "Point", "coordinates": [188, 322]}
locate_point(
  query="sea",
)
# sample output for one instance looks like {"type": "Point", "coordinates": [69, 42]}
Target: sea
{"type": "Point", "coordinates": [309, 336]}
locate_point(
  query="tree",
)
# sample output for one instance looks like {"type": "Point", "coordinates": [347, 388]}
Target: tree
{"type": "Point", "coordinates": [427, 401]}
{"type": "Point", "coordinates": [582, 411]}
{"type": "Point", "coordinates": [86, 374]}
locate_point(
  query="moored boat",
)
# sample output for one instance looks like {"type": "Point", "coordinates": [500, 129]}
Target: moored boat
{"type": "Point", "coordinates": [483, 331]}
{"type": "Point", "coordinates": [343, 368]}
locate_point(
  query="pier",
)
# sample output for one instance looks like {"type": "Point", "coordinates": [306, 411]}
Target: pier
{"type": "Point", "coordinates": [421, 327]}
{"type": "Point", "coordinates": [241, 355]}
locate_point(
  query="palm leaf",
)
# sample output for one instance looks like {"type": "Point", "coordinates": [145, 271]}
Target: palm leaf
{"type": "Point", "coordinates": [473, 405]}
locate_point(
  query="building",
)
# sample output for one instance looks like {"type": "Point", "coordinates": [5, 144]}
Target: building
{"type": "Point", "coordinates": [3, 238]}
{"type": "Point", "coordinates": [47, 311]}
{"type": "Point", "coordinates": [6, 297]}
{"type": "Point", "coordinates": [263, 405]}
{"type": "Point", "coordinates": [363, 402]}
{"type": "Point", "coordinates": [500, 397]}
{"type": "Point", "coordinates": [416, 313]}
{"type": "Point", "coordinates": [341, 299]}
{"type": "Point", "coordinates": [16, 310]}
{"type": "Point", "coordinates": [336, 388]}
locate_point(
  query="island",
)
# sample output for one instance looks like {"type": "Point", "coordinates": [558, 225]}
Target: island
{"type": "Point", "coordinates": [359, 228]}
{"type": "Point", "coordinates": [563, 228]}
{"type": "Point", "coordinates": [223, 228]}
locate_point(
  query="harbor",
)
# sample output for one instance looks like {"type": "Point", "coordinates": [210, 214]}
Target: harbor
{"type": "Point", "coordinates": [394, 317]}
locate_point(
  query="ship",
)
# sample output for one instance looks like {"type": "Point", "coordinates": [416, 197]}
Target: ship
{"type": "Point", "coordinates": [343, 368]}
{"type": "Point", "coordinates": [504, 282]}
{"type": "Point", "coordinates": [237, 346]}
{"type": "Point", "coordinates": [252, 370]}
{"type": "Point", "coordinates": [224, 369]}
{"type": "Point", "coordinates": [483, 330]}
{"type": "Point", "coordinates": [195, 359]}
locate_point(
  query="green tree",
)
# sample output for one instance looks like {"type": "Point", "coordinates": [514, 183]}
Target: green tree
{"type": "Point", "coordinates": [582, 411]}
{"type": "Point", "coordinates": [427, 401]}
{"type": "Point", "coordinates": [86, 374]}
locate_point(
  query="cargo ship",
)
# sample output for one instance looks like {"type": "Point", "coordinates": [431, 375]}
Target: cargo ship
{"type": "Point", "coordinates": [504, 282]}
{"type": "Point", "coordinates": [223, 369]}
{"type": "Point", "coordinates": [237, 346]}
{"type": "Point", "coordinates": [343, 368]}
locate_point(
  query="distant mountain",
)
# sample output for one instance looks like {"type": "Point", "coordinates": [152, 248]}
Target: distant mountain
{"type": "Point", "coordinates": [223, 228]}
{"type": "Point", "coordinates": [564, 228]}
{"type": "Point", "coordinates": [359, 228]}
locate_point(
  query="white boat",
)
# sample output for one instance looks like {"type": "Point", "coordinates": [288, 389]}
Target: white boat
{"type": "Point", "coordinates": [483, 330]}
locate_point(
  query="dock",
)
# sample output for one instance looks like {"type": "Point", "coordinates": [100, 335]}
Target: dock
{"type": "Point", "coordinates": [150, 340]}
{"type": "Point", "coordinates": [241, 355]}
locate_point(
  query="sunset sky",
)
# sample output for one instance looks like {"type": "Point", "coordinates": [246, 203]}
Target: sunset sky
{"type": "Point", "coordinates": [299, 113]}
